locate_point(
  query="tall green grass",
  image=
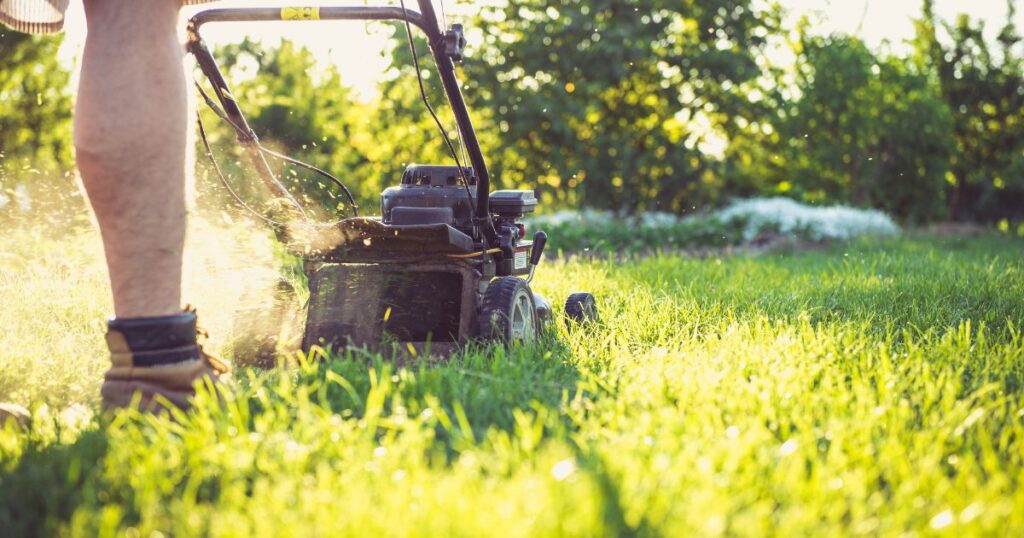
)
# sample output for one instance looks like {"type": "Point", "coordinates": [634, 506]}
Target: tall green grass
{"type": "Point", "coordinates": [871, 388]}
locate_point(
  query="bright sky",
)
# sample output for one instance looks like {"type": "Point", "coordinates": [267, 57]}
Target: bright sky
{"type": "Point", "coordinates": [359, 54]}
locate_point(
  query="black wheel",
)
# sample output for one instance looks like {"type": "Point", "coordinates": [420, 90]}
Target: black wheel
{"type": "Point", "coordinates": [581, 308]}
{"type": "Point", "coordinates": [508, 313]}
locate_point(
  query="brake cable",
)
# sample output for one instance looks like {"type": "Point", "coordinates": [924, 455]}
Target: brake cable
{"type": "Point", "coordinates": [259, 147]}
{"type": "Point", "coordinates": [423, 95]}
{"type": "Point", "coordinates": [224, 180]}
{"type": "Point", "coordinates": [462, 143]}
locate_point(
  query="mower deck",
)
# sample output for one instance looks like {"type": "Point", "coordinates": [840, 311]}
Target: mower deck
{"type": "Point", "coordinates": [425, 304]}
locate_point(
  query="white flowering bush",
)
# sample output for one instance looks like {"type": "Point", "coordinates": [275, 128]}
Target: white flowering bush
{"type": "Point", "coordinates": [591, 229]}
{"type": "Point", "coordinates": [791, 218]}
{"type": "Point", "coordinates": [741, 222]}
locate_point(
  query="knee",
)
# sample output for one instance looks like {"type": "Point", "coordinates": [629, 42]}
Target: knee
{"type": "Point", "coordinates": [91, 159]}
{"type": "Point", "coordinates": [98, 148]}
{"type": "Point", "coordinates": [100, 172]}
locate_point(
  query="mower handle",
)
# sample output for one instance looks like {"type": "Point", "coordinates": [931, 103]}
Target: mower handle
{"type": "Point", "coordinates": [425, 20]}
{"type": "Point", "coordinates": [324, 13]}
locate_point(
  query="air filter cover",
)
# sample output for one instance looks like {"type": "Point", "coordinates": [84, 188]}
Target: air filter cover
{"type": "Point", "coordinates": [512, 204]}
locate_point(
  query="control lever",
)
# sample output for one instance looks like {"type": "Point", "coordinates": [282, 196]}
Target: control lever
{"type": "Point", "coordinates": [540, 239]}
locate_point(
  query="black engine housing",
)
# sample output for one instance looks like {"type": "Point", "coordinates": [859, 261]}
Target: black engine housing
{"type": "Point", "coordinates": [431, 194]}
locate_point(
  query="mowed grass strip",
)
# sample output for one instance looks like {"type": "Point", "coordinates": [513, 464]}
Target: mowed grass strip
{"type": "Point", "coordinates": [870, 388]}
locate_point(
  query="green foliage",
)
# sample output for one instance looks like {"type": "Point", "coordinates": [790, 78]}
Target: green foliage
{"type": "Point", "coordinates": [405, 131]}
{"type": "Point", "coordinates": [305, 110]}
{"type": "Point", "coordinates": [612, 105]}
{"type": "Point", "coordinates": [35, 119]}
{"type": "Point", "coordinates": [618, 236]}
{"type": "Point", "coordinates": [827, 393]}
{"type": "Point", "coordinates": [630, 106]}
{"type": "Point", "coordinates": [594, 103]}
{"type": "Point", "coordinates": [302, 109]}
{"type": "Point", "coordinates": [983, 84]}
{"type": "Point", "coordinates": [865, 129]}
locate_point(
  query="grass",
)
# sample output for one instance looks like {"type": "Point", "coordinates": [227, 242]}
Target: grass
{"type": "Point", "coordinates": [872, 388]}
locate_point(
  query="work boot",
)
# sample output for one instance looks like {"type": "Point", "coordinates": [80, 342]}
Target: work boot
{"type": "Point", "coordinates": [157, 356]}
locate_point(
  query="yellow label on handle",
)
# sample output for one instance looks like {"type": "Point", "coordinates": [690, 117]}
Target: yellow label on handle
{"type": "Point", "coordinates": [300, 13]}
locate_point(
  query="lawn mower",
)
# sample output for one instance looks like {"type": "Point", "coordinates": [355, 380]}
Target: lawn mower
{"type": "Point", "coordinates": [447, 260]}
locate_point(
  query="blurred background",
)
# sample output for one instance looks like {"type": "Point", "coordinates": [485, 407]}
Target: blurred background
{"type": "Point", "coordinates": [911, 107]}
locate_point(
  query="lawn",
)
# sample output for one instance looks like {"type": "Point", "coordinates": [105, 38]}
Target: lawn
{"type": "Point", "coordinates": [866, 388]}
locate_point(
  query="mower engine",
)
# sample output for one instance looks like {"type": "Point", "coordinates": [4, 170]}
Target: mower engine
{"type": "Point", "coordinates": [431, 194]}
{"type": "Point", "coordinates": [416, 276]}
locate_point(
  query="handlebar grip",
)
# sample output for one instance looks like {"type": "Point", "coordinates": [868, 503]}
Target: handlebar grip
{"type": "Point", "coordinates": [539, 240]}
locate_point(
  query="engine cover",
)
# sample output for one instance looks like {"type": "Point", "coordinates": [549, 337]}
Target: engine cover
{"type": "Point", "coordinates": [430, 194]}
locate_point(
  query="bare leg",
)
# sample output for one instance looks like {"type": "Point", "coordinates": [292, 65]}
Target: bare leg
{"type": "Point", "coordinates": [130, 140]}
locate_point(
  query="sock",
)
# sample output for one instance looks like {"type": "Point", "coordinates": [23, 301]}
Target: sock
{"type": "Point", "coordinates": [157, 341]}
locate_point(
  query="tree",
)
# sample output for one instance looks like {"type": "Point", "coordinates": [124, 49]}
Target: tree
{"type": "Point", "coordinates": [595, 102]}
{"type": "Point", "coordinates": [852, 127]}
{"type": "Point", "coordinates": [983, 85]}
{"type": "Point", "coordinates": [35, 119]}
{"type": "Point", "coordinates": [405, 132]}
{"type": "Point", "coordinates": [301, 109]}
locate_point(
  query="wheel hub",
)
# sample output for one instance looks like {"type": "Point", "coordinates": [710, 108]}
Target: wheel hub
{"type": "Point", "coordinates": [522, 326]}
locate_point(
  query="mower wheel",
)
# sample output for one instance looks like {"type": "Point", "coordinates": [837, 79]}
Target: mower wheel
{"type": "Point", "coordinates": [508, 313]}
{"type": "Point", "coordinates": [581, 309]}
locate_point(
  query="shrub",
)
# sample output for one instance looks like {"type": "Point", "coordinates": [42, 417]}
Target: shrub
{"type": "Point", "coordinates": [740, 223]}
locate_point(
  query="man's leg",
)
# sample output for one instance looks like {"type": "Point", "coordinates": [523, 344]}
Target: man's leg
{"type": "Point", "coordinates": [130, 136]}
{"type": "Point", "coordinates": [130, 141]}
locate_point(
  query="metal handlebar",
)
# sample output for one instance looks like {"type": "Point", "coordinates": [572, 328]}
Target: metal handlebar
{"type": "Point", "coordinates": [426, 20]}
